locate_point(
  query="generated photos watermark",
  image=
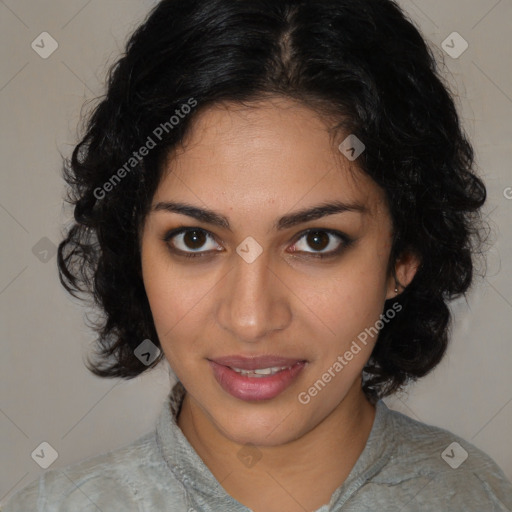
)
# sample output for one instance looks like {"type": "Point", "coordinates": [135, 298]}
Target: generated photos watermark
{"type": "Point", "coordinates": [342, 361]}
{"type": "Point", "coordinates": [138, 156]}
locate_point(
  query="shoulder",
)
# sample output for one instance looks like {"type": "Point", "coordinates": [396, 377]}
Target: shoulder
{"type": "Point", "coordinates": [443, 470]}
{"type": "Point", "coordinates": [113, 481]}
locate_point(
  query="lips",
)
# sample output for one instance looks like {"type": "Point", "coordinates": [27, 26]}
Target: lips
{"type": "Point", "coordinates": [236, 375]}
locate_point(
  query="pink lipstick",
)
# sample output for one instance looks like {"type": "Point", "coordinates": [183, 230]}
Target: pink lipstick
{"type": "Point", "coordinates": [256, 378]}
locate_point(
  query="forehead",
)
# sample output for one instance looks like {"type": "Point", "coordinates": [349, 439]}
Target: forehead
{"type": "Point", "coordinates": [275, 151]}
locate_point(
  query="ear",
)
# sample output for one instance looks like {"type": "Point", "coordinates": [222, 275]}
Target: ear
{"type": "Point", "coordinates": [405, 269]}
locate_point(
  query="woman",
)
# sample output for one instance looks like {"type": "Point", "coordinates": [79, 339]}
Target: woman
{"type": "Point", "coordinates": [276, 197]}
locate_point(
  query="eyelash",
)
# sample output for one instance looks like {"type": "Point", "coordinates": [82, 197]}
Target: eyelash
{"type": "Point", "coordinates": [345, 242]}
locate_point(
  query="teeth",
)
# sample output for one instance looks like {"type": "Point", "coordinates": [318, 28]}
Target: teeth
{"type": "Point", "coordinates": [260, 372]}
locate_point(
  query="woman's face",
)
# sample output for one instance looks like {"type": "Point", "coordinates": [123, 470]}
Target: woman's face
{"type": "Point", "coordinates": [257, 286]}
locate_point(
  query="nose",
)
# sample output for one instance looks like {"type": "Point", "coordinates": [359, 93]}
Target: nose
{"type": "Point", "coordinates": [254, 301]}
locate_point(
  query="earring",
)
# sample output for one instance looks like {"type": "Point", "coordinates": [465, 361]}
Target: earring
{"type": "Point", "coordinates": [396, 290]}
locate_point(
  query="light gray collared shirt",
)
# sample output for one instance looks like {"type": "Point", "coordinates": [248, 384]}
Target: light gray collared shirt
{"type": "Point", "coordinates": [406, 466]}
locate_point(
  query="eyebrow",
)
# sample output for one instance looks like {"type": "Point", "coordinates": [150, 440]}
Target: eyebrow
{"type": "Point", "coordinates": [285, 222]}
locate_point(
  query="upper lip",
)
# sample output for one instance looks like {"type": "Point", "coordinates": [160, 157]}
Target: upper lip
{"type": "Point", "coordinates": [255, 362]}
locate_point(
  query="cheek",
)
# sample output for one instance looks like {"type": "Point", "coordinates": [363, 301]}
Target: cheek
{"type": "Point", "coordinates": [177, 299]}
{"type": "Point", "coordinates": [351, 298]}
{"type": "Point", "coordinates": [162, 289]}
{"type": "Point", "coordinates": [170, 304]}
{"type": "Point", "coordinates": [170, 317]}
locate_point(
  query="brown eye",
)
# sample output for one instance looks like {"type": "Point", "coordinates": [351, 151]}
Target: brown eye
{"type": "Point", "coordinates": [194, 239]}
{"type": "Point", "coordinates": [191, 242]}
{"type": "Point", "coordinates": [315, 242]}
{"type": "Point", "coordinates": [318, 240]}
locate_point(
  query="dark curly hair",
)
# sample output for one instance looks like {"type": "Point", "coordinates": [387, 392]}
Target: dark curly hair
{"type": "Point", "coordinates": [360, 62]}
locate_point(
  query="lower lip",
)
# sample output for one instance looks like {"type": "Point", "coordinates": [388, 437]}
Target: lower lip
{"type": "Point", "coordinates": [255, 388]}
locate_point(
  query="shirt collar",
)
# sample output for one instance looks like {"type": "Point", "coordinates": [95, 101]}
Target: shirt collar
{"type": "Point", "coordinates": [190, 470]}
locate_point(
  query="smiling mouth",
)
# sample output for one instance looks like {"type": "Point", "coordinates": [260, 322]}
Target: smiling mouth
{"type": "Point", "coordinates": [256, 378]}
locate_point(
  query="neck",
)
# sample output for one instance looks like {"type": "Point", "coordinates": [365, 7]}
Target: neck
{"type": "Point", "coordinates": [337, 442]}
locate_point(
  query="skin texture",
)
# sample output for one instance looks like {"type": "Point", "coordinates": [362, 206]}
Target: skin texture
{"type": "Point", "coordinates": [254, 165]}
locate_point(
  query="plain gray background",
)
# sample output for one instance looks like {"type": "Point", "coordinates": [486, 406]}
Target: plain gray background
{"type": "Point", "coordinates": [47, 395]}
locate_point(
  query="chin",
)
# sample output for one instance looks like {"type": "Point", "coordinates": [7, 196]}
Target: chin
{"type": "Point", "coordinates": [261, 428]}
